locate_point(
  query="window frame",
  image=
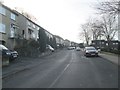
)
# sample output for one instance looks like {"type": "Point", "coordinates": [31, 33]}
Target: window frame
{"type": "Point", "coordinates": [33, 25]}
{"type": "Point", "coordinates": [2, 10]}
{"type": "Point", "coordinates": [28, 22]}
{"type": "Point", "coordinates": [3, 28]}
{"type": "Point", "coordinates": [13, 16]}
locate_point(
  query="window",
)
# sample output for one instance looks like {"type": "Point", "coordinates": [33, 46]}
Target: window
{"type": "Point", "coordinates": [12, 16]}
{"type": "Point", "coordinates": [33, 26]}
{"type": "Point", "coordinates": [37, 36]}
{"type": "Point", "coordinates": [33, 35]}
{"type": "Point", "coordinates": [106, 44]}
{"type": "Point", "coordinates": [2, 28]}
{"type": "Point", "coordinates": [29, 31]}
{"type": "Point", "coordinates": [2, 10]}
{"type": "Point", "coordinates": [102, 42]}
{"type": "Point", "coordinates": [12, 31]}
{"type": "Point", "coordinates": [23, 32]}
{"type": "Point", "coordinates": [28, 23]}
{"type": "Point", "coordinates": [38, 28]}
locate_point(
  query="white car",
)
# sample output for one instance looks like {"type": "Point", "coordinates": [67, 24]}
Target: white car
{"type": "Point", "coordinates": [50, 48]}
{"type": "Point", "coordinates": [71, 48]}
{"type": "Point", "coordinates": [77, 48]}
{"type": "Point", "coordinates": [90, 51]}
{"type": "Point", "coordinates": [14, 55]}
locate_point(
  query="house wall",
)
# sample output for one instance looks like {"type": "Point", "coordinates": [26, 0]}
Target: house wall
{"type": "Point", "coordinates": [27, 25]}
{"type": "Point", "coordinates": [22, 26]}
{"type": "Point", "coordinates": [7, 21]}
{"type": "Point", "coordinates": [104, 44]}
{"type": "Point", "coordinates": [66, 43]}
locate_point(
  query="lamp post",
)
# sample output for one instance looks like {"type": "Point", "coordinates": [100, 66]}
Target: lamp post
{"type": "Point", "coordinates": [119, 20]}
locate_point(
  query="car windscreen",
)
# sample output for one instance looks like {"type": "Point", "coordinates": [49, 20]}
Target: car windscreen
{"type": "Point", "coordinates": [90, 49]}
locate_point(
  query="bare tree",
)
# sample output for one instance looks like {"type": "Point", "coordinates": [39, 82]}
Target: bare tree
{"type": "Point", "coordinates": [86, 33]}
{"type": "Point", "coordinates": [92, 30]}
{"type": "Point", "coordinates": [110, 27]}
{"type": "Point", "coordinates": [109, 7]}
{"type": "Point", "coordinates": [97, 29]}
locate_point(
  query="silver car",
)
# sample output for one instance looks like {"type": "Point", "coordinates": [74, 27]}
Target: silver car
{"type": "Point", "coordinates": [77, 48]}
{"type": "Point", "coordinates": [90, 51]}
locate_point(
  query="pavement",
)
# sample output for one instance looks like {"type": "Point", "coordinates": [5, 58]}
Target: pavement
{"type": "Point", "coordinates": [22, 63]}
{"type": "Point", "coordinates": [114, 58]}
{"type": "Point", "coordinates": [65, 69]}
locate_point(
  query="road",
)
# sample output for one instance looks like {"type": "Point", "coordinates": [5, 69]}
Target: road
{"type": "Point", "coordinates": [66, 69]}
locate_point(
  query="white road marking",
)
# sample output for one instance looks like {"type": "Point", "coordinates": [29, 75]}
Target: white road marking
{"type": "Point", "coordinates": [73, 56]}
{"type": "Point", "coordinates": [58, 76]}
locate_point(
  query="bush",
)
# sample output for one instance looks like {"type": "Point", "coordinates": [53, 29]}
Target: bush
{"type": "Point", "coordinates": [28, 48]}
{"type": "Point", "coordinates": [42, 40]}
{"type": "Point", "coordinates": [111, 51]}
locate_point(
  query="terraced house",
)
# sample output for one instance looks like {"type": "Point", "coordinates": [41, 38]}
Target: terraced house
{"type": "Point", "coordinates": [67, 43]}
{"type": "Point", "coordinates": [28, 29]}
{"type": "Point", "coordinates": [59, 41]}
{"type": "Point", "coordinates": [15, 26]}
{"type": "Point", "coordinates": [8, 26]}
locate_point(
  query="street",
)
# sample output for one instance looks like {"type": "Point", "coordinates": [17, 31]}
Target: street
{"type": "Point", "coordinates": [66, 69]}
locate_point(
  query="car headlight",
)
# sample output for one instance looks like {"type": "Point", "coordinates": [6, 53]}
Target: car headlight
{"type": "Point", "coordinates": [87, 51]}
{"type": "Point", "coordinates": [8, 53]}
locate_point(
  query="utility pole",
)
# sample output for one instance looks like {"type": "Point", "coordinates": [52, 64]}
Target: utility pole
{"type": "Point", "coordinates": [118, 20]}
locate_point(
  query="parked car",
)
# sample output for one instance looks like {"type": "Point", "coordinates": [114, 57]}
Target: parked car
{"type": "Point", "coordinates": [90, 51]}
{"type": "Point", "coordinates": [77, 48]}
{"type": "Point", "coordinates": [4, 51]}
{"type": "Point", "coordinates": [14, 55]}
{"type": "Point", "coordinates": [5, 55]}
{"type": "Point", "coordinates": [50, 48]}
{"type": "Point", "coordinates": [71, 48]}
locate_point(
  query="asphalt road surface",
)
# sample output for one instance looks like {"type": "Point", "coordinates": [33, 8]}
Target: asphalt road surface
{"type": "Point", "coordinates": [66, 69]}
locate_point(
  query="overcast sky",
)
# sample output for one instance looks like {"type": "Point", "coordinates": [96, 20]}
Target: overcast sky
{"type": "Point", "coordinates": [60, 17]}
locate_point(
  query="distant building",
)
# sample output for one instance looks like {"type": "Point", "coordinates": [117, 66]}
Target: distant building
{"type": "Point", "coordinates": [99, 44]}
{"type": "Point", "coordinates": [74, 44]}
{"type": "Point", "coordinates": [114, 44]}
{"type": "Point", "coordinates": [49, 35]}
{"type": "Point", "coordinates": [59, 41]}
{"type": "Point", "coordinates": [67, 43]}
{"type": "Point", "coordinates": [81, 45]}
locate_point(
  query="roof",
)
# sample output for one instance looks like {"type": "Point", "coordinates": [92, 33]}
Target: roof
{"type": "Point", "coordinates": [26, 18]}
{"type": "Point", "coordinates": [58, 37]}
{"type": "Point", "coordinates": [10, 9]}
